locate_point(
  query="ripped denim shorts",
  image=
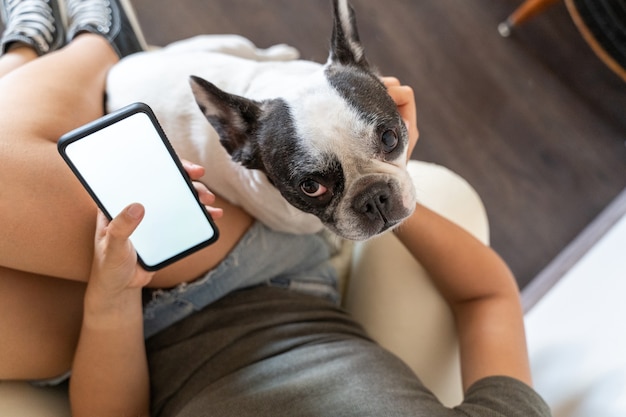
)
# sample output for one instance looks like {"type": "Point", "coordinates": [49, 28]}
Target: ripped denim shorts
{"type": "Point", "coordinates": [262, 257]}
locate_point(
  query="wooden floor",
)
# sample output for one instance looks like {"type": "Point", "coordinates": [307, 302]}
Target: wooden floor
{"type": "Point", "coordinates": [536, 123]}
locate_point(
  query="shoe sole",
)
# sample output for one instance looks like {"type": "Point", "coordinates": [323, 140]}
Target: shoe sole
{"type": "Point", "coordinates": [64, 22]}
{"type": "Point", "coordinates": [134, 22]}
{"type": "Point", "coordinates": [3, 18]}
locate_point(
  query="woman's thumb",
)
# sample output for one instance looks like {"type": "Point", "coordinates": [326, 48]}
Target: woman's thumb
{"type": "Point", "coordinates": [135, 211]}
{"type": "Point", "coordinates": [125, 223]}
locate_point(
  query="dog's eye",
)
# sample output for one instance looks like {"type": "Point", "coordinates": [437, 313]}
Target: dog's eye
{"type": "Point", "coordinates": [312, 188]}
{"type": "Point", "coordinates": [389, 140]}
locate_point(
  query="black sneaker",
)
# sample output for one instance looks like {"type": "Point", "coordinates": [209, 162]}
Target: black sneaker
{"type": "Point", "coordinates": [36, 23]}
{"type": "Point", "coordinates": [113, 19]}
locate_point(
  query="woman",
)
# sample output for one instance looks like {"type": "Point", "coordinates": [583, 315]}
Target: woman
{"type": "Point", "coordinates": [253, 349]}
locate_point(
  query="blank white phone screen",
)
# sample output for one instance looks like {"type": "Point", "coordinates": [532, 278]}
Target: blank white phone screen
{"type": "Point", "coordinates": [127, 162]}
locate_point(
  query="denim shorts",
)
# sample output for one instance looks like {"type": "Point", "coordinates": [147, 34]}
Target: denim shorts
{"type": "Point", "coordinates": [262, 257]}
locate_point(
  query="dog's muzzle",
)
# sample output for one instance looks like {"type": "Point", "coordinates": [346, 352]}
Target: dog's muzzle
{"type": "Point", "coordinates": [378, 206]}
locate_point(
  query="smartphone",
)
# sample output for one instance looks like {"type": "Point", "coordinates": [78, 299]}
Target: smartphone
{"type": "Point", "coordinates": [125, 157]}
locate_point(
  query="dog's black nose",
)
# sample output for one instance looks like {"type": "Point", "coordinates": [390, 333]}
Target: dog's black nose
{"type": "Point", "coordinates": [375, 202]}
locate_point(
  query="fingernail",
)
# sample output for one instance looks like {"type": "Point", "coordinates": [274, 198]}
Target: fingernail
{"type": "Point", "coordinates": [135, 210]}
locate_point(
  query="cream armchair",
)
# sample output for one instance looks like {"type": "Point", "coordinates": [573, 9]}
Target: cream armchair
{"type": "Point", "coordinates": [386, 290]}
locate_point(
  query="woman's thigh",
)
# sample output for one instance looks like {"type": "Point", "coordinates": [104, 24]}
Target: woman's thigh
{"type": "Point", "coordinates": [45, 217]}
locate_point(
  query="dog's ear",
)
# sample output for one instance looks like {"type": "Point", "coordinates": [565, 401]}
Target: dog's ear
{"type": "Point", "coordinates": [235, 119]}
{"type": "Point", "coordinates": [346, 48]}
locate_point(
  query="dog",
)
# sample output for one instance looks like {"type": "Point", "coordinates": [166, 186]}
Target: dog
{"type": "Point", "coordinates": [300, 145]}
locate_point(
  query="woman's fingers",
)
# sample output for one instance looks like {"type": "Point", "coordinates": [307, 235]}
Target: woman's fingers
{"type": "Point", "coordinates": [194, 171]}
{"type": "Point", "coordinates": [404, 98]}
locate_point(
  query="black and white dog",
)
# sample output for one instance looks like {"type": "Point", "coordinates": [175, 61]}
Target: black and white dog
{"type": "Point", "coordinates": [300, 145]}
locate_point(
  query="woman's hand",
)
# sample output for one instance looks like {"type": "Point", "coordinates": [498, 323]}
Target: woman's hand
{"type": "Point", "coordinates": [115, 268]}
{"type": "Point", "coordinates": [405, 100]}
{"type": "Point", "coordinates": [110, 358]}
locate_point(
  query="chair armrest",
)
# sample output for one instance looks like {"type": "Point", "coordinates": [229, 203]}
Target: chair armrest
{"type": "Point", "coordinates": [18, 398]}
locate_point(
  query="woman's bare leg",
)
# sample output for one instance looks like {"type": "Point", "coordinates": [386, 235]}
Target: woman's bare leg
{"type": "Point", "coordinates": [14, 59]}
{"type": "Point", "coordinates": [40, 98]}
{"type": "Point", "coordinates": [46, 217]}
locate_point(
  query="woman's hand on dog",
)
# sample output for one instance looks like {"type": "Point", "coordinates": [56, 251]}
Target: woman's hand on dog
{"type": "Point", "coordinates": [405, 100]}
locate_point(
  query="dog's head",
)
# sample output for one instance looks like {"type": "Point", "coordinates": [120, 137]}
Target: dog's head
{"type": "Point", "coordinates": [336, 147]}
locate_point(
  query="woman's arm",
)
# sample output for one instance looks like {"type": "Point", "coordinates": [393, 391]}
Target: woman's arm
{"type": "Point", "coordinates": [110, 370]}
{"type": "Point", "coordinates": [481, 291]}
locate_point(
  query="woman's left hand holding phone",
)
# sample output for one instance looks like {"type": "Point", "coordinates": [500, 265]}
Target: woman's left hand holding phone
{"type": "Point", "coordinates": [110, 357]}
{"type": "Point", "coordinates": [115, 265]}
